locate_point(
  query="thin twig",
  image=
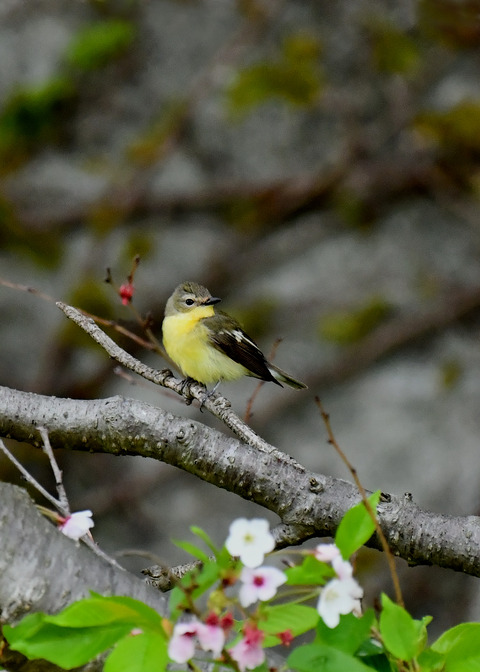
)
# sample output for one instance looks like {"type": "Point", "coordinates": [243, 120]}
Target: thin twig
{"type": "Point", "coordinates": [152, 344]}
{"type": "Point", "coordinates": [62, 503]}
{"type": "Point", "coordinates": [363, 494]}
{"type": "Point", "coordinates": [26, 288]}
{"type": "Point", "coordinates": [47, 449]}
{"type": "Point", "coordinates": [89, 541]}
{"type": "Point", "coordinates": [30, 479]}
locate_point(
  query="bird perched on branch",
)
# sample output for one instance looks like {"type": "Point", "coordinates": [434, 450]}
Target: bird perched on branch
{"type": "Point", "coordinates": [210, 346]}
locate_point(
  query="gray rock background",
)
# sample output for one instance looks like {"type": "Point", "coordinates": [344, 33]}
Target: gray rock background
{"type": "Point", "coordinates": [291, 213]}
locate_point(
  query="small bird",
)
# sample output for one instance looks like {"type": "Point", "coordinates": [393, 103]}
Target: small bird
{"type": "Point", "coordinates": [212, 347]}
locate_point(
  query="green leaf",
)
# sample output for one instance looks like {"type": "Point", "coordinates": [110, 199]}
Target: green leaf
{"type": "Point", "coordinates": [310, 572]}
{"type": "Point", "coordinates": [294, 617]}
{"type": "Point", "coordinates": [431, 661]}
{"type": "Point", "coordinates": [206, 577]}
{"type": "Point", "coordinates": [191, 549]}
{"type": "Point", "coordinates": [205, 538]}
{"type": "Point", "coordinates": [350, 633]}
{"type": "Point", "coordinates": [66, 647]}
{"type": "Point", "coordinates": [225, 561]}
{"type": "Point", "coordinates": [460, 647]}
{"type": "Point", "coordinates": [25, 629]}
{"type": "Point", "coordinates": [82, 630]}
{"type": "Point", "coordinates": [356, 527]}
{"type": "Point", "coordinates": [99, 611]}
{"type": "Point", "coordinates": [313, 657]}
{"type": "Point", "coordinates": [378, 662]}
{"type": "Point", "coordinates": [145, 652]}
{"type": "Point", "coordinates": [402, 635]}
{"type": "Point", "coordinates": [177, 602]}
{"type": "Point", "coordinates": [100, 43]}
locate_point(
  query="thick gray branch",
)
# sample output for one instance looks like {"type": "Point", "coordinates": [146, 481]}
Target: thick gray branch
{"type": "Point", "coordinates": [308, 504]}
{"type": "Point", "coordinates": [42, 570]}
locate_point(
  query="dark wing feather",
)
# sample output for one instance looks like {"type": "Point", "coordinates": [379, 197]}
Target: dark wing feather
{"type": "Point", "coordinates": [227, 336]}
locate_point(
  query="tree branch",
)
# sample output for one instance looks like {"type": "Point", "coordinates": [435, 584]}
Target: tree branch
{"type": "Point", "coordinates": [307, 503]}
{"type": "Point", "coordinates": [216, 404]}
{"type": "Point", "coordinates": [39, 566]}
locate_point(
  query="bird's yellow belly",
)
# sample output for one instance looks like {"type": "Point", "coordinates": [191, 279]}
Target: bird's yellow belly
{"type": "Point", "coordinates": [186, 342]}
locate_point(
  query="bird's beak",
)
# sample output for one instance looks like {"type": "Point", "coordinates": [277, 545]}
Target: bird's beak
{"type": "Point", "coordinates": [212, 300]}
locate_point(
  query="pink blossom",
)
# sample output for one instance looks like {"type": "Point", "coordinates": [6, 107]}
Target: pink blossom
{"type": "Point", "coordinates": [76, 525]}
{"type": "Point", "coordinates": [210, 636]}
{"type": "Point", "coordinates": [181, 646]}
{"type": "Point", "coordinates": [326, 552]}
{"type": "Point", "coordinates": [259, 584]}
{"type": "Point", "coordinates": [248, 652]}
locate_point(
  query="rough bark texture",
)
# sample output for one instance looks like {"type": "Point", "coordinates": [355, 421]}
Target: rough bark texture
{"type": "Point", "coordinates": [43, 570]}
{"type": "Point", "coordinates": [307, 503]}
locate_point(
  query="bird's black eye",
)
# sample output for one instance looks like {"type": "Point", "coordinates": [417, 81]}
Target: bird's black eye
{"type": "Point", "coordinates": [189, 302]}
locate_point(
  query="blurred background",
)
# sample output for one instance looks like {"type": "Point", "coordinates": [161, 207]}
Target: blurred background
{"type": "Point", "coordinates": [316, 165]}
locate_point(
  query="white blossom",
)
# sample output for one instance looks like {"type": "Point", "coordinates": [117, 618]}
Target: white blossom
{"type": "Point", "coordinates": [250, 540]}
{"type": "Point", "coordinates": [339, 596]}
{"type": "Point", "coordinates": [76, 525]}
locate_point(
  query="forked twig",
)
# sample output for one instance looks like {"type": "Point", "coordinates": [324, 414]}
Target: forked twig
{"type": "Point", "coordinates": [30, 479]}
{"type": "Point", "coordinates": [61, 504]}
{"type": "Point", "coordinates": [47, 449]}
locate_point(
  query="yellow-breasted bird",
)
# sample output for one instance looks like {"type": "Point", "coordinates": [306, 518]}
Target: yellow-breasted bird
{"type": "Point", "coordinates": [212, 347]}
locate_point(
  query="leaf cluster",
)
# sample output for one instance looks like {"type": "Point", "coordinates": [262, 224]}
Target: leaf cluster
{"type": "Point", "coordinates": [137, 636]}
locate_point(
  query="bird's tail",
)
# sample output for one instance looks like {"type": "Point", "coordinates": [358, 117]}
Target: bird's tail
{"type": "Point", "coordinates": [283, 377]}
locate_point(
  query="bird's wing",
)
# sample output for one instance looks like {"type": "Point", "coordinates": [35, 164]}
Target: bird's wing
{"type": "Point", "coordinates": [227, 336]}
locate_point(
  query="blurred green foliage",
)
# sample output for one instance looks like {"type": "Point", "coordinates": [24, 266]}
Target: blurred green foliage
{"type": "Point", "coordinates": [34, 116]}
{"type": "Point", "coordinates": [450, 373]}
{"type": "Point", "coordinates": [296, 78]}
{"type": "Point", "coordinates": [354, 209]}
{"type": "Point", "coordinates": [347, 327]}
{"type": "Point", "coordinates": [31, 116]}
{"type": "Point", "coordinates": [139, 243]}
{"type": "Point", "coordinates": [454, 23]}
{"type": "Point", "coordinates": [94, 296]}
{"type": "Point", "coordinates": [256, 318]}
{"type": "Point", "coordinates": [100, 43]}
{"type": "Point", "coordinates": [457, 128]}
{"type": "Point", "coordinates": [41, 247]}
{"type": "Point", "coordinates": [393, 51]}
{"type": "Point", "coordinates": [150, 146]}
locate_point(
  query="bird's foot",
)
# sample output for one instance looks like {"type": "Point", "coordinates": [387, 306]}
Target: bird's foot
{"type": "Point", "coordinates": [208, 394]}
